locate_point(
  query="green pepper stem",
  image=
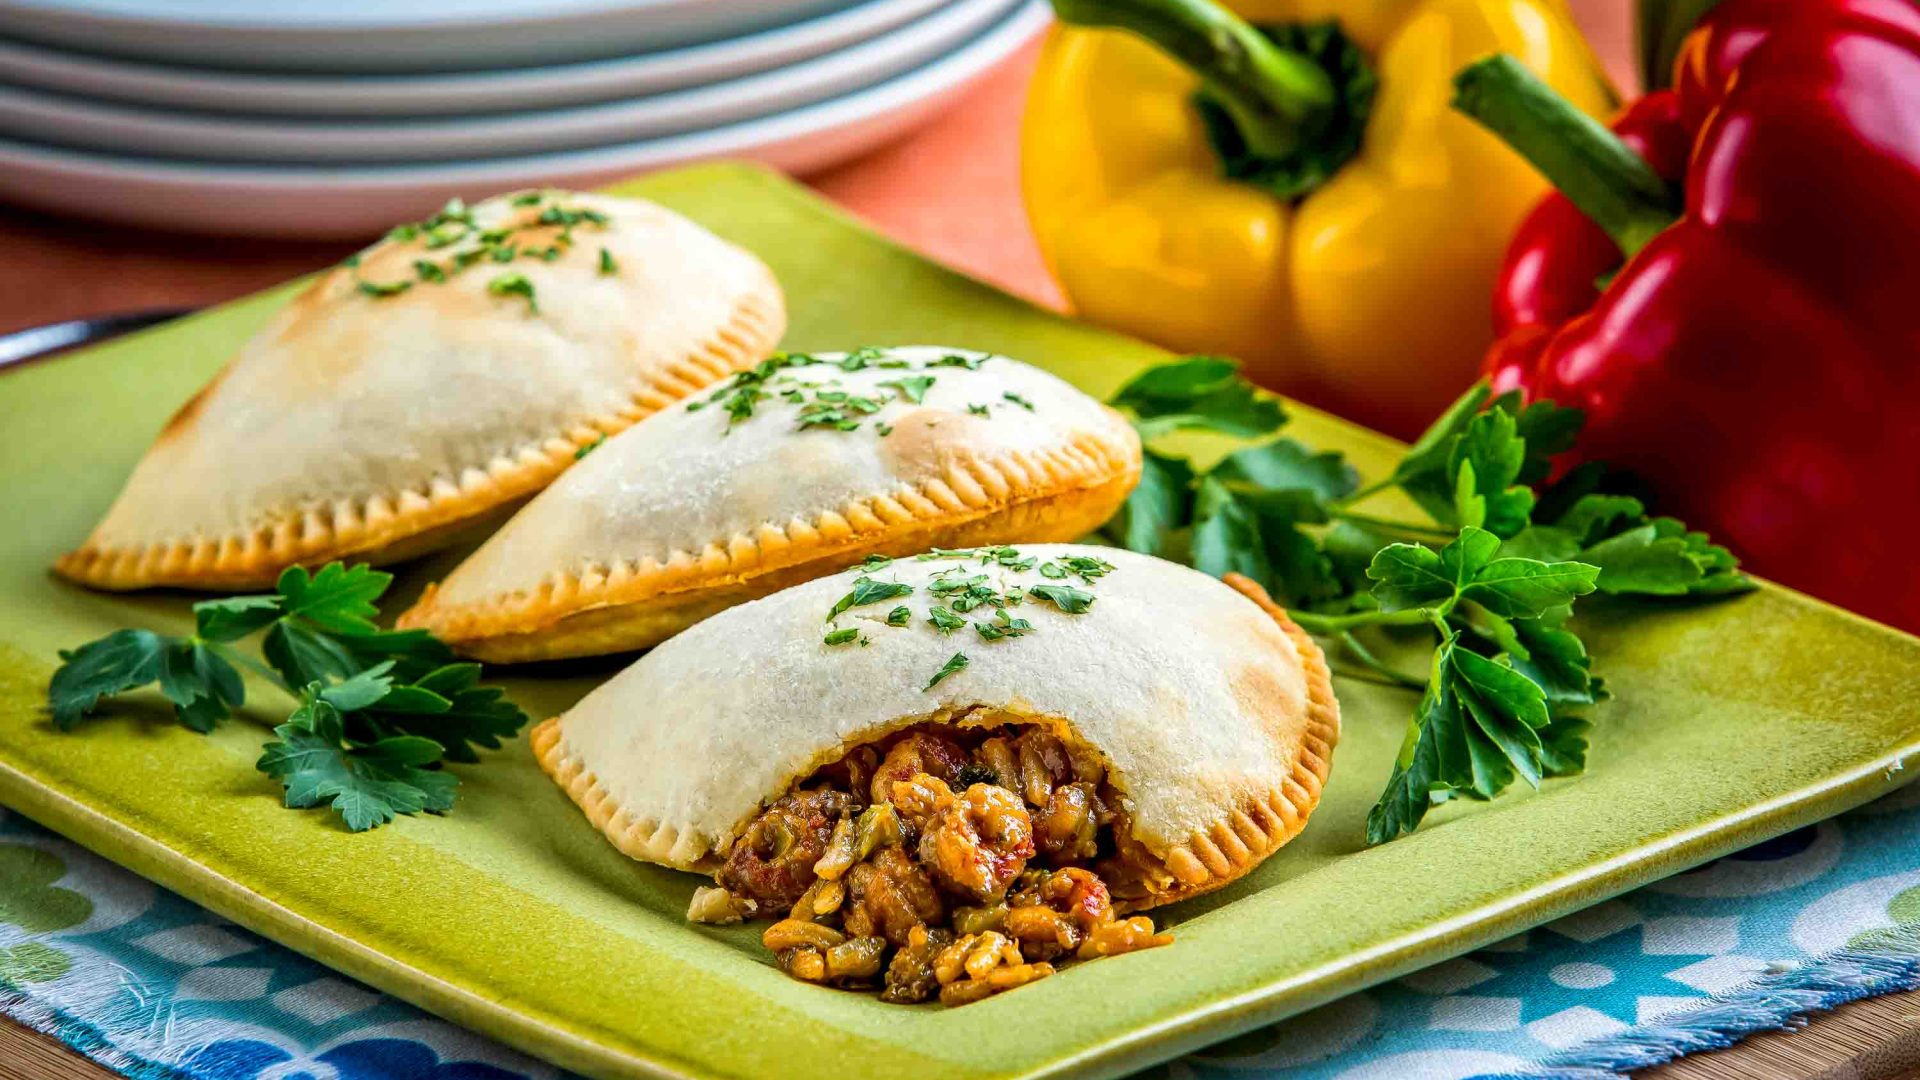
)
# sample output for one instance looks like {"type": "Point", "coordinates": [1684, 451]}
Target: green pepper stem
{"type": "Point", "coordinates": [1279, 99]}
{"type": "Point", "coordinates": [1590, 165]}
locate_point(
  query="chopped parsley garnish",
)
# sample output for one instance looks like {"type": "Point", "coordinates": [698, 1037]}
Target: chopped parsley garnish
{"type": "Point", "coordinates": [978, 409]}
{"type": "Point", "coordinates": [1065, 597]}
{"type": "Point", "coordinates": [1009, 558]}
{"type": "Point", "coordinates": [954, 665]}
{"type": "Point", "coordinates": [841, 637]}
{"type": "Point", "coordinates": [971, 363]}
{"type": "Point", "coordinates": [912, 387]}
{"type": "Point", "coordinates": [570, 216]}
{"type": "Point", "coordinates": [875, 562]}
{"type": "Point", "coordinates": [1089, 568]}
{"type": "Point", "coordinates": [1003, 626]}
{"type": "Point", "coordinates": [607, 265]}
{"type": "Point", "coordinates": [861, 358]}
{"type": "Point", "coordinates": [590, 447]}
{"type": "Point", "coordinates": [836, 409]}
{"type": "Point", "coordinates": [454, 225]}
{"type": "Point", "coordinates": [1018, 400]}
{"type": "Point", "coordinates": [513, 285]}
{"type": "Point", "coordinates": [377, 712]}
{"type": "Point", "coordinates": [868, 591]}
{"type": "Point", "coordinates": [885, 429]}
{"type": "Point", "coordinates": [899, 616]}
{"type": "Point", "coordinates": [943, 620]}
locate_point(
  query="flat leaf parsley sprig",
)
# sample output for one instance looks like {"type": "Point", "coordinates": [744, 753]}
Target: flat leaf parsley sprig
{"type": "Point", "coordinates": [1492, 573]}
{"type": "Point", "coordinates": [378, 711]}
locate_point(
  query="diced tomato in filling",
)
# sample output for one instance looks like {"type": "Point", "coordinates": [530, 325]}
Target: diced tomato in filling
{"type": "Point", "coordinates": [946, 861]}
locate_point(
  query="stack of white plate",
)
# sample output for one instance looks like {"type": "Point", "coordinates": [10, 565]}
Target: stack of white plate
{"type": "Point", "coordinates": [335, 118]}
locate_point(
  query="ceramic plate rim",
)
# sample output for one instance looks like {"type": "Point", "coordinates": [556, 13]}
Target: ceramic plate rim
{"type": "Point", "coordinates": [240, 38]}
{"type": "Point", "coordinates": [452, 93]}
{"type": "Point", "coordinates": [114, 128]}
{"type": "Point", "coordinates": [240, 199]}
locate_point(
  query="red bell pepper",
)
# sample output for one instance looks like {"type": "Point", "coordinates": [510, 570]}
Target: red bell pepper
{"type": "Point", "coordinates": [1730, 286]}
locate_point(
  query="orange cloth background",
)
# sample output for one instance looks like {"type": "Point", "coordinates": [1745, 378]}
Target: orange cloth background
{"type": "Point", "coordinates": [950, 190]}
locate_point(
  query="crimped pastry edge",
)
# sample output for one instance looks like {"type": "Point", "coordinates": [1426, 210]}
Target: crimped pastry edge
{"type": "Point", "coordinates": [1091, 469]}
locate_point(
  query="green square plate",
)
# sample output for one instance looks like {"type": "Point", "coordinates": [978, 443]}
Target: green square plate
{"type": "Point", "coordinates": [1733, 721]}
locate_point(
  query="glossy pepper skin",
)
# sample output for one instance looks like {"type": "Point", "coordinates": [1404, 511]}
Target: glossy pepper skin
{"type": "Point", "coordinates": [1367, 295]}
{"type": "Point", "coordinates": [1757, 360]}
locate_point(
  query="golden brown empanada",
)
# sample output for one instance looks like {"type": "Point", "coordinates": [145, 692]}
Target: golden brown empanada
{"type": "Point", "coordinates": [443, 374]}
{"type": "Point", "coordinates": [787, 472]}
{"type": "Point", "coordinates": [1196, 713]}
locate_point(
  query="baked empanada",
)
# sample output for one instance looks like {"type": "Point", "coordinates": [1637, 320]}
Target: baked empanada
{"type": "Point", "coordinates": [787, 472]}
{"type": "Point", "coordinates": [441, 375]}
{"type": "Point", "coordinates": [1206, 711]}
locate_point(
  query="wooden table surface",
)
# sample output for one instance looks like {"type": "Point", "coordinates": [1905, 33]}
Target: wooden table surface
{"type": "Point", "coordinates": [951, 191]}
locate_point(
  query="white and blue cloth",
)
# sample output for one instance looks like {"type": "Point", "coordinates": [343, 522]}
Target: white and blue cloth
{"type": "Point", "coordinates": [156, 987]}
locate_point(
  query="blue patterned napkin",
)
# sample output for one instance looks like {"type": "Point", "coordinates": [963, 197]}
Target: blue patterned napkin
{"type": "Point", "coordinates": [154, 986]}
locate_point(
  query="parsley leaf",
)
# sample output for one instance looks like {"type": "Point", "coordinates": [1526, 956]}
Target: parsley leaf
{"type": "Point", "coordinates": [867, 591]}
{"type": "Point", "coordinates": [203, 687]}
{"type": "Point", "coordinates": [367, 784]}
{"type": "Point", "coordinates": [375, 706]}
{"type": "Point", "coordinates": [1159, 505]}
{"type": "Point", "coordinates": [1478, 726]}
{"type": "Point", "coordinates": [954, 665]}
{"type": "Point", "coordinates": [912, 387]}
{"type": "Point", "coordinates": [1003, 626]}
{"type": "Point", "coordinates": [513, 284]}
{"type": "Point", "coordinates": [1485, 463]}
{"type": "Point", "coordinates": [1065, 597]}
{"type": "Point", "coordinates": [1198, 392]}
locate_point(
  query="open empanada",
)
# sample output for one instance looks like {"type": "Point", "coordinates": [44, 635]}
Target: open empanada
{"type": "Point", "coordinates": [1031, 740]}
{"type": "Point", "coordinates": [787, 472]}
{"type": "Point", "coordinates": [441, 375]}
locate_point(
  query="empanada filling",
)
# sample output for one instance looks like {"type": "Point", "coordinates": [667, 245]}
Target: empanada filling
{"type": "Point", "coordinates": [957, 859]}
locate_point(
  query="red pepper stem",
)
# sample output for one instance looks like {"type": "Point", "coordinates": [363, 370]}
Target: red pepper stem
{"type": "Point", "coordinates": [1588, 163]}
{"type": "Point", "coordinates": [1279, 99]}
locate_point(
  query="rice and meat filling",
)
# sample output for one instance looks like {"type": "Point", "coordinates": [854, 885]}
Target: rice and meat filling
{"type": "Point", "coordinates": [949, 861]}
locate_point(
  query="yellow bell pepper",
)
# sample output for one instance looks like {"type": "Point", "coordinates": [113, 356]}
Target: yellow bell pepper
{"type": "Point", "coordinates": [1353, 263]}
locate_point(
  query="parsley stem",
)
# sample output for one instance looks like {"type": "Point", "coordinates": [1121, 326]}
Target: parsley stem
{"type": "Point", "coordinates": [1374, 488]}
{"type": "Point", "coordinates": [235, 656]}
{"type": "Point", "coordinates": [1340, 624]}
{"type": "Point", "coordinates": [1367, 676]}
{"type": "Point", "coordinates": [1366, 656]}
{"type": "Point", "coordinates": [1394, 524]}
